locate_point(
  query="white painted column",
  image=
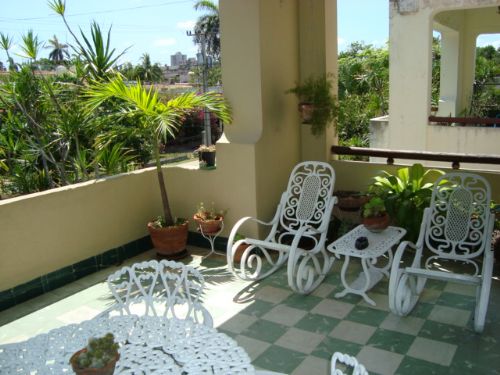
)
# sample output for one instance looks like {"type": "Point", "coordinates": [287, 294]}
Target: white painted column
{"type": "Point", "coordinates": [449, 77]}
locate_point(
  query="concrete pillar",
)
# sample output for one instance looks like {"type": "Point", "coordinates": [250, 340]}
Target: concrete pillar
{"type": "Point", "coordinates": [318, 56]}
{"type": "Point", "coordinates": [448, 90]}
{"type": "Point", "coordinates": [410, 71]}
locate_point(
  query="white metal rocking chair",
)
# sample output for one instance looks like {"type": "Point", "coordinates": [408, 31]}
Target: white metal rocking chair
{"type": "Point", "coordinates": [456, 228]}
{"type": "Point", "coordinates": [303, 214]}
{"type": "Point", "coordinates": [164, 288]}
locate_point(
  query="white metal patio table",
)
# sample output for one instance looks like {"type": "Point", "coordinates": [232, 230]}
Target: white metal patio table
{"type": "Point", "coordinates": [378, 245]}
{"type": "Point", "coordinates": [148, 345]}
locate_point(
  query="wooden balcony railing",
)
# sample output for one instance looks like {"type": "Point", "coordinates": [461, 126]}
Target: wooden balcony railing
{"type": "Point", "coordinates": [454, 159]}
{"type": "Point", "coordinates": [481, 121]}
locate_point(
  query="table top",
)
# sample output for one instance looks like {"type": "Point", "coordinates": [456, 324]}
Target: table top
{"type": "Point", "coordinates": [378, 243]}
{"type": "Point", "coordinates": [148, 345]}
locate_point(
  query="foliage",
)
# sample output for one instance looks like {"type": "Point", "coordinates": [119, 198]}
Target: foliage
{"type": "Point", "coordinates": [207, 27]}
{"type": "Point", "coordinates": [153, 118]}
{"type": "Point", "coordinates": [363, 91]}
{"type": "Point", "coordinates": [100, 351]}
{"type": "Point", "coordinates": [405, 195]}
{"type": "Point", "coordinates": [317, 91]}
{"type": "Point", "coordinates": [59, 51]}
{"type": "Point", "coordinates": [374, 207]}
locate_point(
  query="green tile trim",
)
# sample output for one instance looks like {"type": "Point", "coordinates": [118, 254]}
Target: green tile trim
{"type": "Point", "coordinates": [65, 275]}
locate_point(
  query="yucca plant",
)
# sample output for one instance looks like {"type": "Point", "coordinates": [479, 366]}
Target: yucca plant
{"type": "Point", "coordinates": [153, 117]}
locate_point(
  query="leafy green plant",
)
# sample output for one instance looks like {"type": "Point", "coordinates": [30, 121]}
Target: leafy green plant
{"type": "Point", "coordinates": [318, 92]}
{"type": "Point", "coordinates": [155, 119]}
{"type": "Point", "coordinates": [99, 352]}
{"type": "Point", "coordinates": [374, 207]}
{"type": "Point", "coordinates": [405, 195]}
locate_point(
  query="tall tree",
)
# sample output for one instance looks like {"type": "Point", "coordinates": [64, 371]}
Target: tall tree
{"type": "Point", "coordinates": [59, 50]}
{"type": "Point", "coordinates": [207, 27]}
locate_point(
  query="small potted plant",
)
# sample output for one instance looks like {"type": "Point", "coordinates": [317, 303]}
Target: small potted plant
{"type": "Point", "coordinates": [206, 155]}
{"type": "Point", "coordinates": [375, 217]}
{"type": "Point", "coordinates": [99, 357]}
{"type": "Point", "coordinates": [317, 104]}
{"type": "Point", "coordinates": [209, 220]}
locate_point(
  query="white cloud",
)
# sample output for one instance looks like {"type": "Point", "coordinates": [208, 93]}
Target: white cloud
{"type": "Point", "coordinates": [165, 42]}
{"type": "Point", "coordinates": [186, 25]}
{"type": "Point", "coordinates": [494, 43]}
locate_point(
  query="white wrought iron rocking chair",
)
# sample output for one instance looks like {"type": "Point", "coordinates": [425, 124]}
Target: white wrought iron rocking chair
{"type": "Point", "coordinates": [303, 214]}
{"type": "Point", "coordinates": [456, 228]}
{"type": "Point", "coordinates": [164, 288]}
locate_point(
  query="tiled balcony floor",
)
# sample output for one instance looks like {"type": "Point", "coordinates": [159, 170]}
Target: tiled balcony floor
{"type": "Point", "coordinates": [296, 334]}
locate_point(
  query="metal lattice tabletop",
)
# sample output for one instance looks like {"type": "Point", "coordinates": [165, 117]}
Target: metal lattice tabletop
{"type": "Point", "coordinates": [378, 245]}
{"type": "Point", "coordinates": [148, 345]}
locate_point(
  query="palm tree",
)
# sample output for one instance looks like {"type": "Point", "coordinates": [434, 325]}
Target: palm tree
{"type": "Point", "coordinates": [207, 26]}
{"type": "Point", "coordinates": [59, 50]}
{"type": "Point", "coordinates": [155, 118]}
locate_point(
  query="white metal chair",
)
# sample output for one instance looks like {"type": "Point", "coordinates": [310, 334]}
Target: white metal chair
{"type": "Point", "coordinates": [164, 288]}
{"type": "Point", "coordinates": [348, 361]}
{"type": "Point", "coordinates": [303, 214]}
{"type": "Point", "coordinates": [456, 228]}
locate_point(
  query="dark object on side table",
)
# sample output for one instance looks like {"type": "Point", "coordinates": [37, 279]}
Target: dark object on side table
{"type": "Point", "coordinates": [361, 243]}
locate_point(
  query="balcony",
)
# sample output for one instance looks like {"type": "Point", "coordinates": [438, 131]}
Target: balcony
{"type": "Point", "coordinates": [93, 226]}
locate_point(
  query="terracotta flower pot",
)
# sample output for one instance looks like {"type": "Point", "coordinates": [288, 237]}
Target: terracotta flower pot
{"type": "Point", "coordinates": [109, 369]}
{"type": "Point", "coordinates": [208, 226]}
{"type": "Point", "coordinates": [170, 242]}
{"type": "Point", "coordinates": [306, 111]}
{"type": "Point", "coordinates": [239, 252]}
{"type": "Point", "coordinates": [376, 223]}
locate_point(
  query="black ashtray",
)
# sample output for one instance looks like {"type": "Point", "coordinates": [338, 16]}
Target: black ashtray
{"type": "Point", "coordinates": [361, 243]}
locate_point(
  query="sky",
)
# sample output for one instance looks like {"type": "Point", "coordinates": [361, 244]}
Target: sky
{"type": "Point", "coordinates": [158, 27]}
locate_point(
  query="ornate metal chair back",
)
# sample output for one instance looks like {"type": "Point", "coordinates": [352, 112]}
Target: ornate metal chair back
{"type": "Point", "coordinates": [164, 288]}
{"type": "Point", "coordinates": [308, 194]}
{"type": "Point", "coordinates": [458, 223]}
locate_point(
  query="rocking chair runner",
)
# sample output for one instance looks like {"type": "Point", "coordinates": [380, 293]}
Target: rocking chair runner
{"type": "Point", "coordinates": [456, 227]}
{"type": "Point", "coordinates": [303, 215]}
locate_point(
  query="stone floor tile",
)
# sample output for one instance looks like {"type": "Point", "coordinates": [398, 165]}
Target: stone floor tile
{"type": "Point", "coordinates": [432, 351]}
{"type": "Point", "coordinates": [354, 332]}
{"type": "Point", "coordinates": [238, 323]}
{"type": "Point", "coordinates": [253, 347]}
{"type": "Point", "coordinates": [313, 366]}
{"type": "Point", "coordinates": [367, 315]}
{"type": "Point", "coordinates": [449, 315]}
{"type": "Point", "coordinates": [272, 294]}
{"type": "Point", "coordinates": [379, 361]}
{"type": "Point", "coordinates": [317, 323]}
{"type": "Point", "coordinates": [333, 308]}
{"type": "Point", "coordinates": [300, 340]}
{"type": "Point", "coordinates": [279, 359]}
{"type": "Point", "coordinates": [392, 341]}
{"type": "Point", "coordinates": [265, 330]}
{"type": "Point", "coordinates": [286, 315]}
{"type": "Point", "coordinates": [404, 324]}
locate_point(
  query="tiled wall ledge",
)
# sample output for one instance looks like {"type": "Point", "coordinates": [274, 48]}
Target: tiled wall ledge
{"type": "Point", "coordinates": [66, 275]}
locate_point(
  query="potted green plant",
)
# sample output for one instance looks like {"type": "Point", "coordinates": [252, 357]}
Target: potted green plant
{"type": "Point", "coordinates": [375, 217]}
{"type": "Point", "coordinates": [406, 194]}
{"type": "Point", "coordinates": [99, 357]}
{"type": "Point", "coordinates": [155, 119]}
{"type": "Point", "coordinates": [209, 220]}
{"type": "Point", "coordinates": [206, 155]}
{"type": "Point", "coordinates": [317, 104]}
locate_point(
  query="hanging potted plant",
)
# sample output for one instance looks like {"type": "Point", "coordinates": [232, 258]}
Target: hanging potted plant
{"type": "Point", "coordinates": [99, 357]}
{"type": "Point", "coordinates": [375, 217]}
{"type": "Point", "coordinates": [317, 104]}
{"type": "Point", "coordinates": [157, 119]}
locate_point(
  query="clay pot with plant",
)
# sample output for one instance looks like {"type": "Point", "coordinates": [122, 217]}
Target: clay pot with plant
{"type": "Point", "coordinates": [208, 219]}
{"type": "Point", "coordinates": [206, 156]}
{"type": "Point", "coordinates": [155, 119]}
{"type": "Point", "coordinates": [317, 104]}
{"type": "Point", "coordinates": [99, 357]}
{"type": "Point", "coordinates": [375, 217]}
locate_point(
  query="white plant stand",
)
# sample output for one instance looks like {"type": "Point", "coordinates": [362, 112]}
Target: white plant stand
{"type": "Point", "coordinates": [211, 238]}
{"type": "Point", "coordinates": [378, 245]}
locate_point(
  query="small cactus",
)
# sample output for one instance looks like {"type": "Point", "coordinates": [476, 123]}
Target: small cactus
{"type": "Point", "coordinates": [99, 352]}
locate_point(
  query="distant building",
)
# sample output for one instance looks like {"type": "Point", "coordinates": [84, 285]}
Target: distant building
{"type": "Point", "coordinates": [178, 59]}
